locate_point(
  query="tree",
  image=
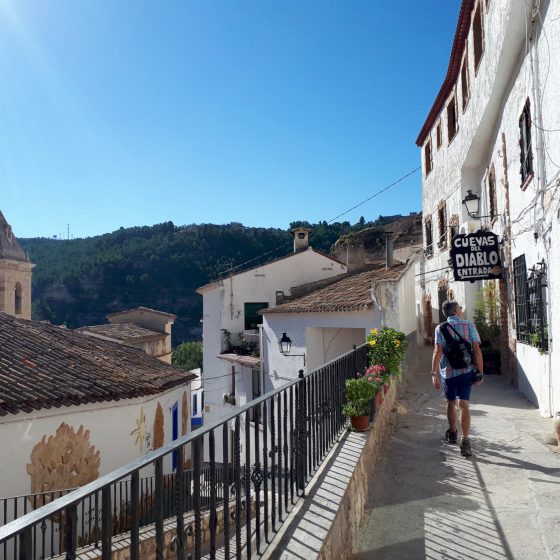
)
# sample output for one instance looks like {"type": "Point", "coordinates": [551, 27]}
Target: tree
{"type": "Point", "coordinates": [188, 355]}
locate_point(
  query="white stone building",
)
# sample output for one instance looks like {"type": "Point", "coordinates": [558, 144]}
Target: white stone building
{"type": "Point", "coordinates": [494, 130]}
{"type": "Point", "coordinates": [231, 319]}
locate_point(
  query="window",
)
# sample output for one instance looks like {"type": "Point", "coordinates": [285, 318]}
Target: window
{"type": "Point", "coordinates": [451, 119]}
{"type": "Point", "coordinates": [438, 135]}
{"type": "Point", "coordinates": [525, 145]}
{"type": "Point", "coordinates": [530, 303]}
{"type": "Point", "coordinates": [465, 93]}
{"type": "Point", "coordinates": [492, 199]}
{"type": "Point", "coordinates": [17, 299]}
{"type": "Point", "coordinates": [252, 317]}
{"type": "Point", "coordinates": [428, 164]}
{"type": "Point", "coordinates": [195, 404]}
{"type": "Point", "coordinates": [453, 227]}
{"type": "Point", "coordinates": [478, 37]}
{"type": "Point", "coordinates": [442, 225]}
{"type": "Point", "coordinates": [429, 237]}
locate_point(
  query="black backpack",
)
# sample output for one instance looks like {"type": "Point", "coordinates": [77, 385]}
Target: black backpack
{"type": "Point", "coordinates": [459, 351]}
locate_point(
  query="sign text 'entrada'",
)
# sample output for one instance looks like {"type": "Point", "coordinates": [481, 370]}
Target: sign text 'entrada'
{"type": "Point", "coordinates": [476, 256]}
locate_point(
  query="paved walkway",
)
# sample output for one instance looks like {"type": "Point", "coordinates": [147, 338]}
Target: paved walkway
{"type": "Point", "coordinates": [428, 502]}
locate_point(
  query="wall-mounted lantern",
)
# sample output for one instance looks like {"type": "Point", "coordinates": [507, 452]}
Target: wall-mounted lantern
{"type": "Point", "coordinates": [472, 204]}
{"type": "Point", "coordinates": [285, 345]}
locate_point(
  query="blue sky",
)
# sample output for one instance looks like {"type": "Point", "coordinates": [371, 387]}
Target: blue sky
{"type": "Point", "coordinates": [121, 113]}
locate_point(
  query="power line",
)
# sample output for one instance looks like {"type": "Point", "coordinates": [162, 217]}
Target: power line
{"type": "Point", "coordinates": [399, 180]}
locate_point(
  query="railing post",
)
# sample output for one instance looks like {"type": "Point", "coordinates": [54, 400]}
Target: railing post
{"type": "Point", "coordinates": [301, 419]}
{"type": "Point", "coordinates": [25, 542]}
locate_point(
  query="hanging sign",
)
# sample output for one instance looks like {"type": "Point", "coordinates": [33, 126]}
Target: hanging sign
{"type": "Point", "coordinates": [476, 256]}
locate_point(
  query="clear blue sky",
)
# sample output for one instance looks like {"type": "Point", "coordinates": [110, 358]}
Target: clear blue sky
{"type": "Point", "coordinates": [129, 112]}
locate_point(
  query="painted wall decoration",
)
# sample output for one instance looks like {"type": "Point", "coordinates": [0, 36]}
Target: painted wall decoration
{"type": "Point", "coordinates": [65, 460]}
{"type": "Point", "coordinates": [184, 415]}
{"type": "Point", "coordinates": [158, 433]}
{"type": "Point", "coordinates": [139, 431]}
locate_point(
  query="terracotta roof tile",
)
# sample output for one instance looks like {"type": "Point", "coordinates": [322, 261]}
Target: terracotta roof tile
{"type": "Point", "coordinates": [124, 332]}
{"type": "Point", "coordinates": [44, 366]}
{"type": "Point", "coordinates": [352, 293]}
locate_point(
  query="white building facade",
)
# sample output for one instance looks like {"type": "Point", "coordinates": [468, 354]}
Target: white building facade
{"type": "Point", "coordinates": [494, 131]}
{"type": "Point", "coordinates": [231, 319]}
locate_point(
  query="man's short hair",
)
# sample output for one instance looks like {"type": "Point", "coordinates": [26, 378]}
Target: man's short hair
{"type": "Point", "coordinates": [449, 307]}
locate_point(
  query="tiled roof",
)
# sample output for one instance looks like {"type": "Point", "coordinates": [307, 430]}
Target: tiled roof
{"type": "Point", "coordinates": [249, 361]}
{"type": "Point", "coordinates": [459, 43]}
{"type": "Point", "coordinates": [44, 366]}
{"type": "Point", "coordinates": [218, 283]}
{"type": "Point", "coordinates": [123, 332]}
{"type": "Point", "coordinates": [352, 293]}
{"type": "Point", "coordinates": [9, 245]}
{"type": "Point", "coordinates": [146, 309]}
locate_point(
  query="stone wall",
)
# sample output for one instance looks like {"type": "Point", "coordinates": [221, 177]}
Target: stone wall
{"type": "Point", "coordinates": [346, 523]}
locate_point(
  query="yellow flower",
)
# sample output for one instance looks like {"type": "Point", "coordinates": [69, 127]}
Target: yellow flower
{"type": "Point", "coordinates": [397, 342]}
{"type": "Point", "coordinates": [372, 342]}
{"type": "Point", "coordinates": [374, 331]}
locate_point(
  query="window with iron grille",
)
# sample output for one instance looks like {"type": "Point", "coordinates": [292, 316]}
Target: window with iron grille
{"type": "Point", "coordinates": [442, 225]}
{"type": "Point", "coordinates": [451, 119]}
{"type": "Point", "coordinates": [429, 237]}
{"type": "Point", "coordinates": [530, 304]}
{"type": "Point", "coordinates": [525, 144]}
{"type": "Point", "coordinates": [428, 163]}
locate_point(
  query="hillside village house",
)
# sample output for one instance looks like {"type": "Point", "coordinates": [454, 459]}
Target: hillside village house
{"type": "Point", "coordinates": [329, 321]}
{"type": "Point", "coordinates": [231, 321]}
{"type": "Point", "coordinates": [144, 328]}
{"type": "Point", "coordinates": [491, 138]}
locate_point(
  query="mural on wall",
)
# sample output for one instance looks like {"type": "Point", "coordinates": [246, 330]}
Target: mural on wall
{"type": "Point", "coordinates": [157, 434]}
{"type": "Point", "coordinates": [142, 436]}
{"type": "Point", "coordinates": [184, 415]}
{"type": "Point", "coordinates": [65, 460]}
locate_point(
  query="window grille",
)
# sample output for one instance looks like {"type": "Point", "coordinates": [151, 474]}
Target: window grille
{"type": "Point", "coordinates": [429, 237]}
{"type": "Point", "coordinates": [530, 304]}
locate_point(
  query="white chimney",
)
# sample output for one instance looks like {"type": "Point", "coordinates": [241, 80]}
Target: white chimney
{"type": "Point", "coordinates": [301, 239]}
{"type": "Point", "coordinates": [388, 249]}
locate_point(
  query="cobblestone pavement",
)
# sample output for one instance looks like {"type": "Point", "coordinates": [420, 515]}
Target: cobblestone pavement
{"type": "Point", "coordinates": [428, 502]}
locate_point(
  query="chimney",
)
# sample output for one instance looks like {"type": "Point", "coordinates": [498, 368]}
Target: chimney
{"type": "Point", "coordinates": [301, 239]}
{"type": "Point", "coordinates": [388, 249]}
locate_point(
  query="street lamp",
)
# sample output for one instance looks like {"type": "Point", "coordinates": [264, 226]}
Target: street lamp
{"type": "Point", "coordinates": [285, 345]}
{"type": "Point", "coordinates": [472, 204]}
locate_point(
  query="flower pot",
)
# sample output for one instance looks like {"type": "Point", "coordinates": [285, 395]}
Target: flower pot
{"type": "Point", "coordinates": [556, 423]}
{"type": "Point", "coordinates": [360, 423]}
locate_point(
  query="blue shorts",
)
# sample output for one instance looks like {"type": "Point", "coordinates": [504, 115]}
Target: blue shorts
{"type": "Point", "coordinates": [458, 387]}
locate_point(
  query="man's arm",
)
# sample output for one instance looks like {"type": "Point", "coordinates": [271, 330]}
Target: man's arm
{"type": "Point", "coordinates": [436, 358]}
{"type": "Point", "coordinates": [478, 357]}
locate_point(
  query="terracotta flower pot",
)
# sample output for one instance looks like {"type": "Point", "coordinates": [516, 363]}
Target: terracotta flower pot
{"type": "Point", "coordinates": [360, 423]}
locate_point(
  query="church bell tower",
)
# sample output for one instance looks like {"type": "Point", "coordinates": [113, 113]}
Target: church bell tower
{"type": "Point", "coordinates": [15, 274]}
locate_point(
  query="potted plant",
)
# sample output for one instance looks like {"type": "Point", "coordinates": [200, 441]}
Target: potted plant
{"type": "Point", "coordinates": [229, 398]}
{"type": "Point", "coordinates": [487, 322]}
{"type": "Point", "coordinates": [387, 347]}
{"type": "Point", "coordinates": [359, 394]}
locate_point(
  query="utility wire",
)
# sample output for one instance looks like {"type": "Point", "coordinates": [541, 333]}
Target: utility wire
{"type": "Point", "coordinates": [329, 222]}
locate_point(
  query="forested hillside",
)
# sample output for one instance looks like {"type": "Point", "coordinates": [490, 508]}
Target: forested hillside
{"type": "Point", "coordinates": [78, 282]}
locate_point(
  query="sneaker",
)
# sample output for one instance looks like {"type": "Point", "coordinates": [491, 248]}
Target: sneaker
{"type": "Point", "coordinates": [465, 447]}
{"type": "Point", "coordinates": [451, 436]}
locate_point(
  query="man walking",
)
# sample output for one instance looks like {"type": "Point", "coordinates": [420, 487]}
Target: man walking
{"type": "Point", "coordinates": [457, 381]}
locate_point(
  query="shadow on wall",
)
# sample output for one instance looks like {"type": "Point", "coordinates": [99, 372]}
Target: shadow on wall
{"type": "Point", "coordinates": [525, 387]}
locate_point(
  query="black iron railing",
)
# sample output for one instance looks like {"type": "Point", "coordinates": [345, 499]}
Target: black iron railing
{"type": "Point", "coordinates": [256, 472]}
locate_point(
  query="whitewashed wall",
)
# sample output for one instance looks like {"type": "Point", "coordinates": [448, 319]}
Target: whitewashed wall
{"type": "Point", "coordinates": [521, 61]}
{"type": "Point", "coordinates": [322, 336]}
{"type": "Point", "coordinates": [111, 425]}
{"type": "Point", "coordinates": [223, 308]}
